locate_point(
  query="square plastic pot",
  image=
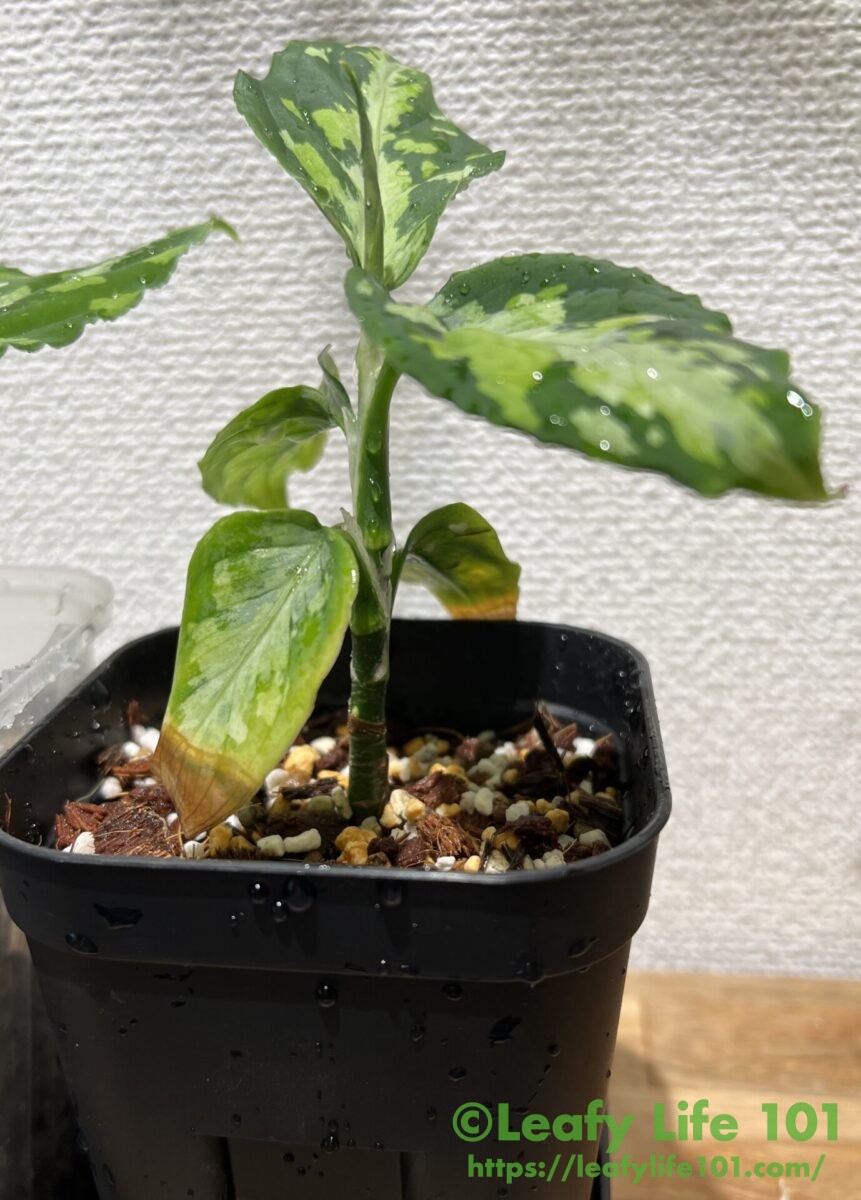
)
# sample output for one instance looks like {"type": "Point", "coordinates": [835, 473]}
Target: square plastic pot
{"type": "Point", "coordinates": [231, 1031]}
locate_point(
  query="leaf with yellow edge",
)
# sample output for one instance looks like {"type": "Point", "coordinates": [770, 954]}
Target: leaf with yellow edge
{"type": "Point", "coordinates": [267, 605]}
{"type": "Point", "coordinates": [457, 556]}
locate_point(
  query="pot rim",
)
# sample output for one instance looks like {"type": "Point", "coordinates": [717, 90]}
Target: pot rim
{"type": "Point", "coordinates": [639, 841]}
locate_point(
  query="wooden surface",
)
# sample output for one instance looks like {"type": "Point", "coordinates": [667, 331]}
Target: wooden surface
{"type": "Point", "coordinates": [741, 1042]}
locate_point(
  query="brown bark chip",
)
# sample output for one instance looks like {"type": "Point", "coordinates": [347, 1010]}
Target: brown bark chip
{"type": "Point", "coordinates": [413, 852]}
{"type": "Point", "coordinates": [536, 833]}
{"type": "Point", "coordinates": [470, 750]}
{"type": "Point", "coordinates": [437, 788]}
{"type": "Point", "coordinates": [132, 830]}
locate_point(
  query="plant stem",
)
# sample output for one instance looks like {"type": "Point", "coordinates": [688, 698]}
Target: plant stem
{"type": "Point", "coordinates": [371, 618]}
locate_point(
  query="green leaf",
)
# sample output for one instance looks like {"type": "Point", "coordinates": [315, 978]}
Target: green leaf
{"type": "Point", "coordinates": [250, 459]}
{"type": "Point", "coordinates": [334, 392]}
{"type": "Point", "coordinates": [53, 309]}
{"type": "Point", "coordinates": [607, 361]}
{"type": "Point", "coordinates": [306, 112]}
{"type": "Point", "coordinates": [267, 605]}
{"type": "Point", "coordinates": [457, 555]}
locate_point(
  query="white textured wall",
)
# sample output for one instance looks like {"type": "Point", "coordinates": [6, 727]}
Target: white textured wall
{"type": "Point", "coordinates": [713, 143]}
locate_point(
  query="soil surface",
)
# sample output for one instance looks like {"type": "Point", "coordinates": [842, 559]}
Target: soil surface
{"type": "Point", "coordinates": [535, 800]}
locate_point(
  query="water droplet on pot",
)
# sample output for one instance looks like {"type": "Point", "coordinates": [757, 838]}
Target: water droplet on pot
{"type": "Point", "coordinates": [327, 995]}
{"type": "Point", "coordinates": [457, 1073]}
{"type": "Point", "coordinates": [417, 1033]}
{"type": "Point", "coordinates": [81, 943]}
{"type": "Point", "coordinates": [280, 912]}
{"type": "Point", "coordinates": [119, 918]}
{"type": "Point", "coordinates": [288, 1157]}
{"type": "Point", "coordinates": [236, 1119]}
{"type": "Point", "coordinates": [258, 892]}
{"type": "Point", "coordinates": [330, 1143]}
{"type": "Point", "coordinates": [300, 895]}
{"type": "Point", "coordinates": [236, 919]}
{"type": "Point", "coordinates": [391, 894]}
{"type": "Point", "coordinates": [503, 1029]}
{"type": "Point", "coordinates": [453, 990]}
{"type": "Point", "coordinates": [378, 1145]}
{"type": "Point", "coordinates": [554, 1051]}
{"type": "Point", "coordinates": [581, 946]}
{"type": "Point", "coordinates": [431, 1115]}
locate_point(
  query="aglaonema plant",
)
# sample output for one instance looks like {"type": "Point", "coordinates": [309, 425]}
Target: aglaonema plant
{"type": "Point", "coordinates": [570, 350]}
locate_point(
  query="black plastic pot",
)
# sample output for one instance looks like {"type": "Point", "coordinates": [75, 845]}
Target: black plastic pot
{"type": "Point", "coordinates": [239, 1031]}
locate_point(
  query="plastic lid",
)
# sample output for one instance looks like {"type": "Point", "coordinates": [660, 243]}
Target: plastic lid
{"type": "Point", "coordinates": [49, 617]}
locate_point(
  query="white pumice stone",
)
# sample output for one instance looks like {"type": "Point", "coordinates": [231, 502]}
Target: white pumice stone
{"type": "Point", "coordinates": [595, 837]}
{"type": "Point", "coordinates": [148, 781]}
{"type": "Point", "coordinates": [130, 750]}
{"type": "Point", "coordinates": [276, 780]}
{"type": "Point", "coordinates": [467, 802]}
{"type": "Point", "coordinates": [497, 863]}
{"type": "Point", "coordinates": [528, 863]}
{"type": "Point", "coordinates": [517, 810]}
{"type": "Point", "coordinates": [234, 822]}
{"type": "Point", "coordinates": [445, 862]}
{"type": "Point", "coordinates": [111, 788]}
{"type": "Point", "coordinates": [136, 732]}
{"type": "Point", "coordinates": [483, 801]}
{"type": "Point", "coordinates": [404, 770]}
{"type": "Point", "coordinates": [568, 757]}
{"type": "Point", "coordinates": [373, 825]}
{"type": "Point", "coordinates": [302, 842]}
{"type": "Point", "coordinates": [67, 850]}
{"type": "Point", "coordinates": [172, 818]}
{"type": "Point", "coordinates": [565, 840]}
{"type": "Point", "coordinates": [341, 802]}
{"type": "Point", "coordinates": [586, 786]}
{"type": "Point", "coordinates": [84, 843]}
{"type": "Point", "coordinates": [554, 858]}
{"type": "Point", "coordinates": [148, 739]}
{"type": "Point", "coordinates": [540, 864]}
{"type": "Point", "coordinates": [584, 746]}
{"type": "Point", "coordinates": [193, 849]}
{"type": "Point", "coordinates": [272, 846]}
{"type": "Point", "coordinates": [323, 745]}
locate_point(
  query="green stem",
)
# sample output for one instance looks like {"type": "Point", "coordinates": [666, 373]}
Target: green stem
{"type": "Point", "coordinates": [371, 618]}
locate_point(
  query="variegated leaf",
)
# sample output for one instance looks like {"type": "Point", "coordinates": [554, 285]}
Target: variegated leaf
{"type": "Point", "coordinates": [267, 605]}
{"type": "Point", "coordinates": [306, 112]}
{"type": "Point", "coordinates": [456, 555]}
{"type": "Point", "coordinates": [607, 361]}
{"type": "Point", "coordinates": [54, 309]}
{"type": "Point", "coordinates": [250, 460]}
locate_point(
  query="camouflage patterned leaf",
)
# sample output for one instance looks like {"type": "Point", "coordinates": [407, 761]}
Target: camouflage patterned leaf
{"type": "Point", "coordinates": [54, 309]}
{"type": "Point", "coordinates": [305, 111]}
{"type": "Point", "coordinates": [456, 555]}
{"type": "Point", "coordinates": [250, 460]}
{"type": "Point", "coordinates": [267, 605]}
{"type": "Point", "coordinates": [607, 361]}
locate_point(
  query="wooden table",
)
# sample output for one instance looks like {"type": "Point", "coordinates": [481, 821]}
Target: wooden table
{"type": "Point", "coordinates": [740, 1042]}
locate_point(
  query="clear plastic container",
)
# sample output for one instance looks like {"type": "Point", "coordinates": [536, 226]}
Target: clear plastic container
{"type": "Point", "coordinates": [49, 619]}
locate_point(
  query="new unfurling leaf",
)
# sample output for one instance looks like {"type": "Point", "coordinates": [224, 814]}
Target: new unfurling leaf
{"type": "Point", "coordinates": [250, 460]}
{"type": "Point", "coordinates": [457, 556]}
{"type": "Point", "coordinates": [267, 605]}
{"type": "Point", "coordinates": [306, 112]}
{"type": "Point", "coordinates": [607, 361]}
{"type": "Point", "coordinates": [54, 309]}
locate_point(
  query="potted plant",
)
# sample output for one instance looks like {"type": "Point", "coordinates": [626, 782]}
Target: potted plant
{"type": "Point", "coordinates": [357, 949]}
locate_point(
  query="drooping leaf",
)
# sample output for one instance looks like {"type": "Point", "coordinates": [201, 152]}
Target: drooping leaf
{"type": "Point", "coordinates": [250, 460]}
{"type": "Point", "coordinates": [267, 605]}
{"type": "Point", "coordinates": [306, 112]}
{"type": "Point", "coordinates": [457, 555]}
{"type": "Point", "coordinates": [607, 361]}
{"type": "Point", "coordinates": [54, 309]}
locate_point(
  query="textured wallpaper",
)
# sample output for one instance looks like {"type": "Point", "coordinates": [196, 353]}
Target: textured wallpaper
{"type": "Point", "coordinates": [713, 143]}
